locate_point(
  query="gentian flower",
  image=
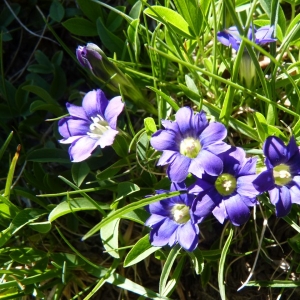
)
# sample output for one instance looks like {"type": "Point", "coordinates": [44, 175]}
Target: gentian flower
{"type": "Point", "coordinates": [172, 221]}
{"type": "Point", "coordinates": [230, 193]}
{"type": "Point", "coordinates": [93, 58]}
{"type": "Point", "coordinates": [282, 177]}
{"type": "Point", "coordinates": [232, 37]}
{"type": "Point", "coordinates": [190, 144]}
{"type": "Point", "coordinates": [94, 124]}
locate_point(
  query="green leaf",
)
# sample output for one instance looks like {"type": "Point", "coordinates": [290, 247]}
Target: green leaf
{"type": "Point", "coordinates": [140, 251]}
{"type": "Point", "coordinates": [120, 145]}
{"type": "Point", "coordinates": [79, 172]}
{"type": "Point", "coordinates": [171, 18]}
{"type": "Point", "coordinates": [172, 283]}
{"type": "Point", "coordinates": [49, 155]}
{"type": "Point", "coordinates": [110, 236]}
{"type": "Point", "coordinates": [294, 24]}
{"type": "Point", "coordinates": [27, 255]}
{"type": "Point", "coordinates": [222, 265]}
{"type": "Point", "coordinates": [41, 227]}
{"type": "Point", "coordinates": [294, 243]}
{"type": "Point", "coordinates": [80, 26]}
{"type": "Point", "coordinates": [133, 38]}
{"type": "Point", "coordinates": [91, 9]}
{"type": "Point", "coordinates": [109, 40]}
{"type": "Point", "coordinates": [125, 189]}
{"type": "Point", "coordinates": [57, 11]}
{"type": "Point", "coordinates": [71, 206]}
{"type": "Point", "coordinates": [167, 268]}
{"type": "Point", "coordinates": [191, 12]}
{"type": "Point", "coordinates": [139, 216]}
{"type": "Point", "coordinates": [41, 105]}
{"type": "Point", "coordinates": [114, 20]}
{"type": "Point", "coordinates": [167, 98]}
{"type": "Point", "coordinates": [130, 207]}
{"type": "Point", "coordinates": [24, 217]}
{"type": "Point", "coordinates": [150, 126]}
{"type": "Point", "coordinates": [259, 120]}
{"type": "Point", "coordinates": [197, 260]}
{"type": "Point", "coordinates": [114, 168]}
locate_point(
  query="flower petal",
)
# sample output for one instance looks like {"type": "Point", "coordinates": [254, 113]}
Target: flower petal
{"type": "Point", "coordinates": [187, 236]}
{"type": "Point", "coordinates": [238, 212]}
{"type": "Point", "coordinates": [281, 198]}
{"type": "Point", "coordinates": [82, 148]}
{"type": "Point", "coordinates": [76, 111]}
{"type": "Point", "coordinates": [208, 162]}
{"type": "Point", "coordinates": [275, 151]}
{"type": "Point", "coordinates": [164, 140]}
{"type": "Point", "coordinates": [179, 168]}
{"type": "Point", "coordinates": [213, 133]}
{"type": "Point", "coordinates": [160, 236]}
{"type": "Point", "coordinates": [71, 126]}
{"type": "Point", "coordinates": [108, 137]}
{"type": "Point", "coordinates": [295, 190]}
{"type": "Point", "coordinates": [264, 34]}
{"type": "Point", "coordinates": [203, 205]}
{"type": "Point", "coordinates": [264, 181]}
{"type": "Point", "coordinates": [167, 157]}
{"type": "Point", "coordinates": [114, 108]}
{"type": "Point", "coordinates": [155, 220]}
{"type": "Point", "coordinates": [245, 186]}
{"type": "Point", "coordinates": [220, 212]}
{"type": "Point", "coordinates": [184, 119]}
{"type": "Point", "coordinates": [94, 103]}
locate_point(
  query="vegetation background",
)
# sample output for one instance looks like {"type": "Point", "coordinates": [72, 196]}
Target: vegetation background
{"type": "Point", "coordinates": [50, 209]}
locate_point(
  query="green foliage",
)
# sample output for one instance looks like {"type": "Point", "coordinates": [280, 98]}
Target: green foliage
{"type": "Point", "coordinates": [77, 230]}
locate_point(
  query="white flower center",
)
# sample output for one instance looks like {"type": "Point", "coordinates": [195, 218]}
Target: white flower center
{"type": "Point", "coordinates": [180, 213]}
{"type": "Point", "coordinates": [98, 127]}
{"type": "Point", "coordinates": [190, 147]}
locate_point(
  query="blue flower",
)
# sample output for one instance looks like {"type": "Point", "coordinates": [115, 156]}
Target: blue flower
{"type": "Point", "coordinates": [190, 144]}
{"type": "Point", "coordinates": [232, 37]}
{"type": "Point", "coordinates": [282, 177]}
{"type": "Point", "coordinates": [172, 221]}
{"type": "Point", "coordinates": [230, 193]}
{"type": "Point", "coordinates": [94, 124]}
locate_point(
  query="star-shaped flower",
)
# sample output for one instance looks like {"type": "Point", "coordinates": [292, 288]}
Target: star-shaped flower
{"type": "Point", "coordinates": [190, 144]}
{"type": "Point", "coordinates": [94, 124]}
{"type": "Point", "coordinates": [282, 177]}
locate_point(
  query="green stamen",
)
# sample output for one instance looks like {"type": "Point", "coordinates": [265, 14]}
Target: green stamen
{"type": "Point", "coordinates": [225, 184]}
{"type": "Point", "coordinates": [282, 174]}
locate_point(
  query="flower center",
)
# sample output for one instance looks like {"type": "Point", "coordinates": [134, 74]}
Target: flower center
{"type": "Point", "coordinates": [98, 127]}
{"type": "Point", "coordinates": [190, 147]}
{"type": "Point", "coordinates": [282, 174]}
{"type": "Point", "coordinates": [180, 213]}
{"type": "Point", "coordinates": [225, 184]}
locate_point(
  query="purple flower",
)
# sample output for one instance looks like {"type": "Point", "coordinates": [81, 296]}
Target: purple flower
{"type": "Point", "coordinates": [172, 221]}
{"type": "Point", "coordinates": [190, 144]}
{"type": "Point", "coordinates": [94, 124]}
{"type": "Point", "coordinates": [94, 59]}
{"type": "Point", "coordinates": [282, 177]}
{"type": "Point", "coordinates": [232, 37]}
{"type": "Point", "coordinates": [230, 193]}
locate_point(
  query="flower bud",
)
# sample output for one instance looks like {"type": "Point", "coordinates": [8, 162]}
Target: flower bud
{"type": "Point", "coordinates": [247, 71]}
{"type": "Point", "coordinates": [93, 58]}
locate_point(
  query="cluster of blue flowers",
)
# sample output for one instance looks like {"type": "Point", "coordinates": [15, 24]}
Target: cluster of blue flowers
{"type": "Point", "coordinates": [226, 183]}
